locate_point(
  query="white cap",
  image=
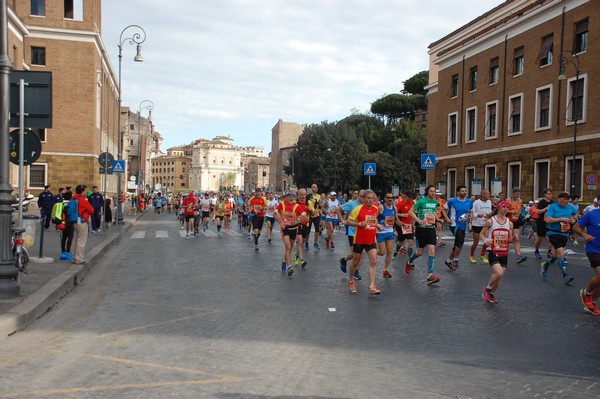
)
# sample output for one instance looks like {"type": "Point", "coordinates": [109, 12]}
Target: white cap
{"type": "Point", "coordinates": [333, 193]}
{"type": "Point", "coordinates": [530, 202]}
{"type": "Point", "coordinates": [595, 199]}
{"type": "Point", "coordinates": [536, 201]}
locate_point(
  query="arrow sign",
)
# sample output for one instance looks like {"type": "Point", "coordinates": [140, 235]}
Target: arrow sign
{"type": "Point", "coordinates": [428, 161]}
{"type": "Point", "coordinates": [118, 166]}
{"type": "Point", "coordinates": [370, 169]}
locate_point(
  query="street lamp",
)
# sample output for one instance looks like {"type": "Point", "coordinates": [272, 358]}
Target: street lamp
{"type": "Point", "coordinates": [137, 38]}
{"type": "Point", "coordinates": [575, 108]}
{"type": "Point", "coordinates": [149, 107]}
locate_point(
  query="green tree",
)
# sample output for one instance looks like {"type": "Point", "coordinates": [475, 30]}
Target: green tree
{"type": "Point", "coordinates": [416, 84]}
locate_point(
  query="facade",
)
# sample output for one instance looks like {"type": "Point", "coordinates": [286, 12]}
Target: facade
{"type": "Point", "coordinates": [65, 38]}
{"type": "Point", "coordinates": [257, 174]}
{"type": "Point", "coordinates": [284, 137]}
{"type": "Point", "coordinates": [499, 117]}
{"type": "Point", "coordinates": [170, 173]}
{"type": "Point", "coordinates": [216, 165]}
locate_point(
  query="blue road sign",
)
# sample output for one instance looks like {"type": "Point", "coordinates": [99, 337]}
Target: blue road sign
{"type": "Point", "coordinates": [370, 169]}
{"type": "Point", "coordinates": [118, 166]}
{"type": "Point", "coordinates": [428, 161]}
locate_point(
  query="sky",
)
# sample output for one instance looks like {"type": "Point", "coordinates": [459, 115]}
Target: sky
{"type": "Point", "coordinates": [235, 67]}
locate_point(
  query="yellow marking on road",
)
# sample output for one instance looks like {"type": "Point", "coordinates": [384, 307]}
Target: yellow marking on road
{"type": "Point", "coordinates": [143, 327]}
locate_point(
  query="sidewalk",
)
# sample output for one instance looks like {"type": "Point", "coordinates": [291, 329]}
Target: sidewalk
{"type": "Point", "coordinates": [47, 283]}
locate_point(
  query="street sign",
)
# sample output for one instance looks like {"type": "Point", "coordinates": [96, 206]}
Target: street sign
{"type": "Point", "coordinates": [31, 143]}
{"type": "Point", "coordinates": [428, 161]}
{"type": "Point", "coordinates": [38, 98]}
{"type": "Point", "coordinates": [118, 166]}
{"type": "Point", "coordinates": [591, 179]}
{"type": "Point", "coordinates": [131, 178]}
{"type": "Point", "coordinates": [106, 158]}
{"type": "Point", "coordinates": [106, 171]}
{"type": "Point", "coordinates": [370, 169]}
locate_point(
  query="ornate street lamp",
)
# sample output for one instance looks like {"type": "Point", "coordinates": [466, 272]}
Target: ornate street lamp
{"type": "Point", "coordinates": [137, 38]}
{"type": "Point", "coordinates": [149, 107]}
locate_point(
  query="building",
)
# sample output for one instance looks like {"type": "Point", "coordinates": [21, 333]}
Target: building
{"type": "Point", "coordinates": [284, 137]}
{"type": "Point", "coordinates": [170, 173]}
{"type": "Point", "coordinates": [257, 174]}
{"type": "Point", "coordinates": [64, 37]}
{"type": "Point", "coordinates": [499, 117]}
{"type": "Point", "coordinates": [216, 165]}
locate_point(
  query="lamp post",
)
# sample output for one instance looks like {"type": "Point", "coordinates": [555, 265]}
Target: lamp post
{"type": "Point", "coordinates": [575, 108]}
{"type": "Point", "coordinates": [137, 38]}
{"type": "Point", "coordinates": [149, 107]}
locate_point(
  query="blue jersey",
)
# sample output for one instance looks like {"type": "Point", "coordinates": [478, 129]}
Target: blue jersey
{"type": "Point", "coordinates": [591, 221]}
{"type": "Point", "coordinates": [459, 211]}
{"type": "Point", "coordinates": [387, 219]}
{"type": "Point", "coordinates": [556, 211]}
{"type": "Point", "coordinates": [349, 207]}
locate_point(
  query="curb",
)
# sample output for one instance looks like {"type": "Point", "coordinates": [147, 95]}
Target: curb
{"type": "Point", "coordinates": [39, 302]}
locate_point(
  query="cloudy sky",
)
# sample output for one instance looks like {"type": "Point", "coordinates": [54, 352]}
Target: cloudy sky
{"type": "Point", "coordinates": [234, 67]}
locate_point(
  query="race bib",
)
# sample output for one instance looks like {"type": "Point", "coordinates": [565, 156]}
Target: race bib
{"type": "Point", "coordinates": [205, 208]}
{"type": "Point", "coordinates": [289, 218]}
{"type": "Point", "coordinates": [500, 242]}
{"type": "Point", "coordinates": [371, 222]}
{"type": "Point", "coordinates": [257, 208]}
{"type": "Point", "coordinates": [565, 227]}
{"type": "Point", "coordinates": [389, 221]}
{"type": "Point", "coordinates": [406, 228]}
{"type": "Point", "coordinates": [429, 219]}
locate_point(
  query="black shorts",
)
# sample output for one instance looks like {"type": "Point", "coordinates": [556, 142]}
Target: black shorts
{"type": "Point", "coordinates": [351, 241]}
{"type": "Point", "coordinates": [517, 224]}
{"type": "Point", "coordinates": [205, 214]}
{"type": "Point", "coordinates": [425, 236]}
{"type": "Point", "coordinates": [220, 217]}
{"type": "Point", "coordinates": [188, 217]}
{"type": "Point", "coordinates": [292, 233]}
{"type": "Point", "coordinates": [257, 222]}
{"type": "Point", "coordinates": [304, 230]}
{"type": "Point", "coordinates": [558, 240]}
{"type": "Point", "coordinates": [316, 221]}
{"type": "Point", "coordinates": [459, 237]}
{"type": "Point", "coordinates": [594, 258]}
{"type": "Point", "coordinates": [476, 229]}
{"type": "Point", "coordinates": [359, 248]}
{"type": "Point", "coordinates": [402, 237]}
{"type": "Point", "coordinates": [541, 228]}
{"type": "Point", "coordinates": [493, 259]}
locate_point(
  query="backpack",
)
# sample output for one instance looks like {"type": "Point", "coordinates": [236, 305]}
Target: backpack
{"type": "Point", "coordinates": [57, 212]}
{"type": "Point", "coordinates": [72, 211]}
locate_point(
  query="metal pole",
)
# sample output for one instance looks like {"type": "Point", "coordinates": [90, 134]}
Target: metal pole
{"type": "Point", "coordinates": [574, 99]}
{"type": "Point", "coordinates": [9, 284]}
{"type": "Point", "coordinates": [21, 149]}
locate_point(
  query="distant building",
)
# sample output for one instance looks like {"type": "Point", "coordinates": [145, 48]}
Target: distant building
{"type": "Point", "coordinates": [284, 137]}
{"type": "Point", "coordinates": [170, 173]}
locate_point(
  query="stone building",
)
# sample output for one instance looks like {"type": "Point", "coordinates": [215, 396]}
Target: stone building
{"type": "Point", "coordinates": [499, 117]}
{"type": "Point", "coordinates": [64, 37]}
{"type": "Point", "coordinates": [284, 137]}
{"type": "Point", "coordinates": [170, 173]}
{"type": "Point", "coordinates": [216, 165]}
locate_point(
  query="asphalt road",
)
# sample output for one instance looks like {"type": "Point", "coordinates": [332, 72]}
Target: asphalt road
{"type": "Point", "coordinates": [166, 317]}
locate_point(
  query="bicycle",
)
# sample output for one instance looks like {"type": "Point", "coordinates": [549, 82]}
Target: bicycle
{"type": "Point", "coordinates": [19, 251]}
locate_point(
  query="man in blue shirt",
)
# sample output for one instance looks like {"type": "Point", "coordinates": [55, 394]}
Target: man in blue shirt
{"type": "Point", "coordinates": [460, 209]}
{"type": "Point", "coordinates": [45, 203]}
{"type": "Point", "coordinates": [96, 199]}
{"type": "Point", "coordinates": [591, 222]}
{"type": "Point", "coordinates": [560, 216]}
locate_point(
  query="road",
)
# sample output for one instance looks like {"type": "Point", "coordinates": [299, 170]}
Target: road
{"type": "Point", "coordinates": [165, 317]}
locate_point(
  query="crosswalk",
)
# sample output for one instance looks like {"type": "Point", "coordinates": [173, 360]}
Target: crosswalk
{"type": "Point", "coordinates": [143, 234]}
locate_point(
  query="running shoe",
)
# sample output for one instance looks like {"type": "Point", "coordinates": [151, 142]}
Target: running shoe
{"type": "Point", "coordinates": [587, 300]}
{"type": "Point", "coordinates": [537, 255]}
{"type": "Point", "coordinates": [332, 245]}
{"type": "Point", "coordinates": [455, 264]}
{"type": "Point", "coordinates": [521, 259]}
{"type": "Point", "coordinates": [327, 243]}
{"type": "Point", "coordinates": [187, 236]}
{"type": "Point", "coordinates": [432, 279]}
{"type": "Point", "coordinates": [303, 264]}
{"type": "Point", "coordinates": [530, 235]}
{"type": "Point", "coordinates": [484, 259]}
{"type": "Point", "coordinates": [544, 270]}
{"type": "Point", "coordinates": [593, 310]}
{"type": "Point", "coordinates": [373, 290]}
{"type": "Point", "coordinates": [566, 261]}
{"type": "Point", "coordinates": [316, 246]}
{"type": "Point", "coordinates": [492, 297]}
{"type": "Point", "coordinates": [296, 258]}
{"type": "Point", "coordinates": [449, 264]}
{"type": "Point", "coordinates": [408, 266]}
{"type": "Point", "coordinates": [472, 259]}
{"type": "Point", "coordinates": [575, 242]}
{"type": "Point", "coordinates": [269, 240]}
{"type": "Point", "coordinates": [386, 274]}
{"type": "Point", "coordinates": [283, 266]}
{"type": "Point", "coordinates": [352, 287]}
{"type": "Point", "coordinates": [343, 265]}
{"type": "Point", "coordinates": [486, 293]}
{"type": "Point", "coordinates": [306, 246]}
{"type": "Point", "coordinates": [568, 278]}
{"type": "Point", "coordinates": [401, 251]}
{"type": "Point", "coordinates": [290, 271]}
{"type": "Point", "coordinates": [357, 275]}
{"type": "Point", "coordinates": [256, 247]}
{"type": "Point", "coordinates": [441, 244]}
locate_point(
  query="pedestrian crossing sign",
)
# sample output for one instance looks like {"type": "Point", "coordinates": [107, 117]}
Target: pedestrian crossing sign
{"type": "Point", "coordinates": [370, 169]}
{"type": "Point", "coordinates": [118, 166]}
{"type": "Point", "coordinates": [428, 161]}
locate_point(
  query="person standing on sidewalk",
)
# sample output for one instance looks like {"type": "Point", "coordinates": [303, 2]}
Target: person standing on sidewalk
{"type": "Point", "coordinates": [66, 237]}
{"type": "Point", "coordinates": [85, 210]}
{"type": "Point", "coordinates": [45, 203]}
{"type": "Point", "coordinates": [590, 221]}
{"type": "Point", "coordinates": [482, 210]}
{"type": "Point", "coordinates": [97, 201]}
{"type": "Point", "coordinates": [559, 216]}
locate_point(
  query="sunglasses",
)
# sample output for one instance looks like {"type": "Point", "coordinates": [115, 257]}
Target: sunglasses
{"type": "Point", "coordinates": [389, 197]}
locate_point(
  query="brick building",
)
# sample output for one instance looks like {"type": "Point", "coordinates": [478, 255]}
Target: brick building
{"type": "Point", "coordinates": [64, 37]}
{"type": "Point", "coordinates": [499, 117]}
{"type": "Point", "coordinates": [284, 137]}
{"type": "Point", "coordinates": [171, 172]}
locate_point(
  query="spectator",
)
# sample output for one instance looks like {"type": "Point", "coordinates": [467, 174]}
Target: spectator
{"type": "Point", "coordinates": [96, 199]}
{"type": "Point", "coordinates": [66, 238]}
{"type": "Point", "coordinates": [81, 227]}
{"type": "Point", "coordinates": [45, 203]}
{"type": "Point", "coordinates": [108, 215]}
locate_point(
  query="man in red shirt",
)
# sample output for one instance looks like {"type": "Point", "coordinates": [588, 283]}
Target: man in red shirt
{"type": "Point", "coordinates": [85, 209]}
{"type": "Point", "coordinates": [258, 204]}
{"type": "Point", "coordinates": [404, 223]}
{"type": "Point", "coordinates": [288, 217]}
{"type": "Point", "coordinates": [188, 205]}
{"type": "Point", "coordinates": [364, 218]}
{"type": "Point", "coordinates": [303, 227]}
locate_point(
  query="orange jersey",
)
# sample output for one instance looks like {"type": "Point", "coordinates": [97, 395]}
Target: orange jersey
{"type": "Point", "coordinates": [514, 210]}
{"type": "Point", "coordinates": [365, 235]}
{"type": "Point", "coordinates": [288, 213]}
{"type": "Point", "coordinates": [258, 206]}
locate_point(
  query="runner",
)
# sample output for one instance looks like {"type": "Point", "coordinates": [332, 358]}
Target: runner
{"type": "Point", "coordinates": [347, 208]}
{"type": "Point", "coordinates": [439, 223]}
{"type": "Point", "coordinates": [514, 215]}
{"type": "Point", "coordinates": [364, 218]}
{"type": "Point", "coordinates": [303, 228]}
{"type": "Point", "coordinates": [497, 235]}
{"type": "Point", "coordinates": [460, 209]}
{"type": "Point", "coordinates": [228, 211]}
{"type": "Point", "coordinates": [258, 203]}
{"type": "Point", "coordinates": [288, 218]}
{"type": "Point", "coordinates": [559, 216]}
{"type": "Point", "coordinates": [386, 218]}
{"type": "Point", "coordinates": [219, 214]}
{"type": "Point", "coordinates": [541, 227]}
{"type": "Point", "coordinates": [205, 208]}
{"type": "Point", "coordinates": [482, 210]}
{"type": "Point", "coordinates": [272, 204]}
{"type": "Point", "coordinates": [404, 222]}
{"type": "Point", "coordinates": [314, 204]}
{"type": "Point", "coordinates": [424, 214]}
{"type": "Point", "coordinates": [591, 222]}
{"type": "Point", "coordinates": [188, 204]}
{"type": "Point", "coordinates": [331, 219]}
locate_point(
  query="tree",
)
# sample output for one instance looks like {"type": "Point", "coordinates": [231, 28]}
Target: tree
{"type": "Point", "coordinates": [416, 84]}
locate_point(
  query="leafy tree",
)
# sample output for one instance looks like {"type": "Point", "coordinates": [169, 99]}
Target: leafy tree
{"type": "Point", "coordinates": [416, 84]}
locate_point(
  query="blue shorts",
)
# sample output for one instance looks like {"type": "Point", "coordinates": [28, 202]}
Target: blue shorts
{"type": "Point", "coordinates": [332, 220]}
{"type": "Point", "coordinates": [383, 237]}
{"type": "Point", "coordinates": [270, 219]}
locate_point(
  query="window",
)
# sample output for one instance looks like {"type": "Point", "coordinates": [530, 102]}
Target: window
{"type": "Point", "coordinates": [471, 128]}
{"type": "Point", "coordinates": [452, 126]}
{"type": "Point", "coordinates": [542, 108]}
{"type": "Point", "coordinates": [581, 36]}
{"type": "Point", "coordinates": [451, 183]}
{"type": "Point", "coordinates": [74, 9]}
{"type": "Point", "coordinates": [514, 175]}
{"type": "Point", "coordinates": [469, 177]}
{"type": "Point", "coordinates": [574, 189]}
{"type": "Point", "coordinates": [519, 61]}
{"type": "Point", "coordinates": [577, 100]}
{"type": "Point", "coordinates": [38, 8]}
{"type": "Point", "coordinates": [454, 86]}
{"type": "Point", "coordinates": [541, 178]}
{"type": "Point", "coordinates": [490, 174]}
{"type": "Point", "coordinates": [494, 71]}
{"type": "Point", "coordinates": [132, 126]}
{"type": "Point", "coordinates": [41, 133]}
{"type": "Point", "coordinates": [38, 55]}
{"type": "Point", "coordinates": [473, 78]}
{"type": "Point", "coordinates": [491, 120]}
{"type": "Point", "coordinates": [38, 175]}
{"type": "Point", "coordinates": [130, 141]}
{"type": "Point", "coordinates": [545, 55]}
{"type": "Point", "coordinates": [515, 110]}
